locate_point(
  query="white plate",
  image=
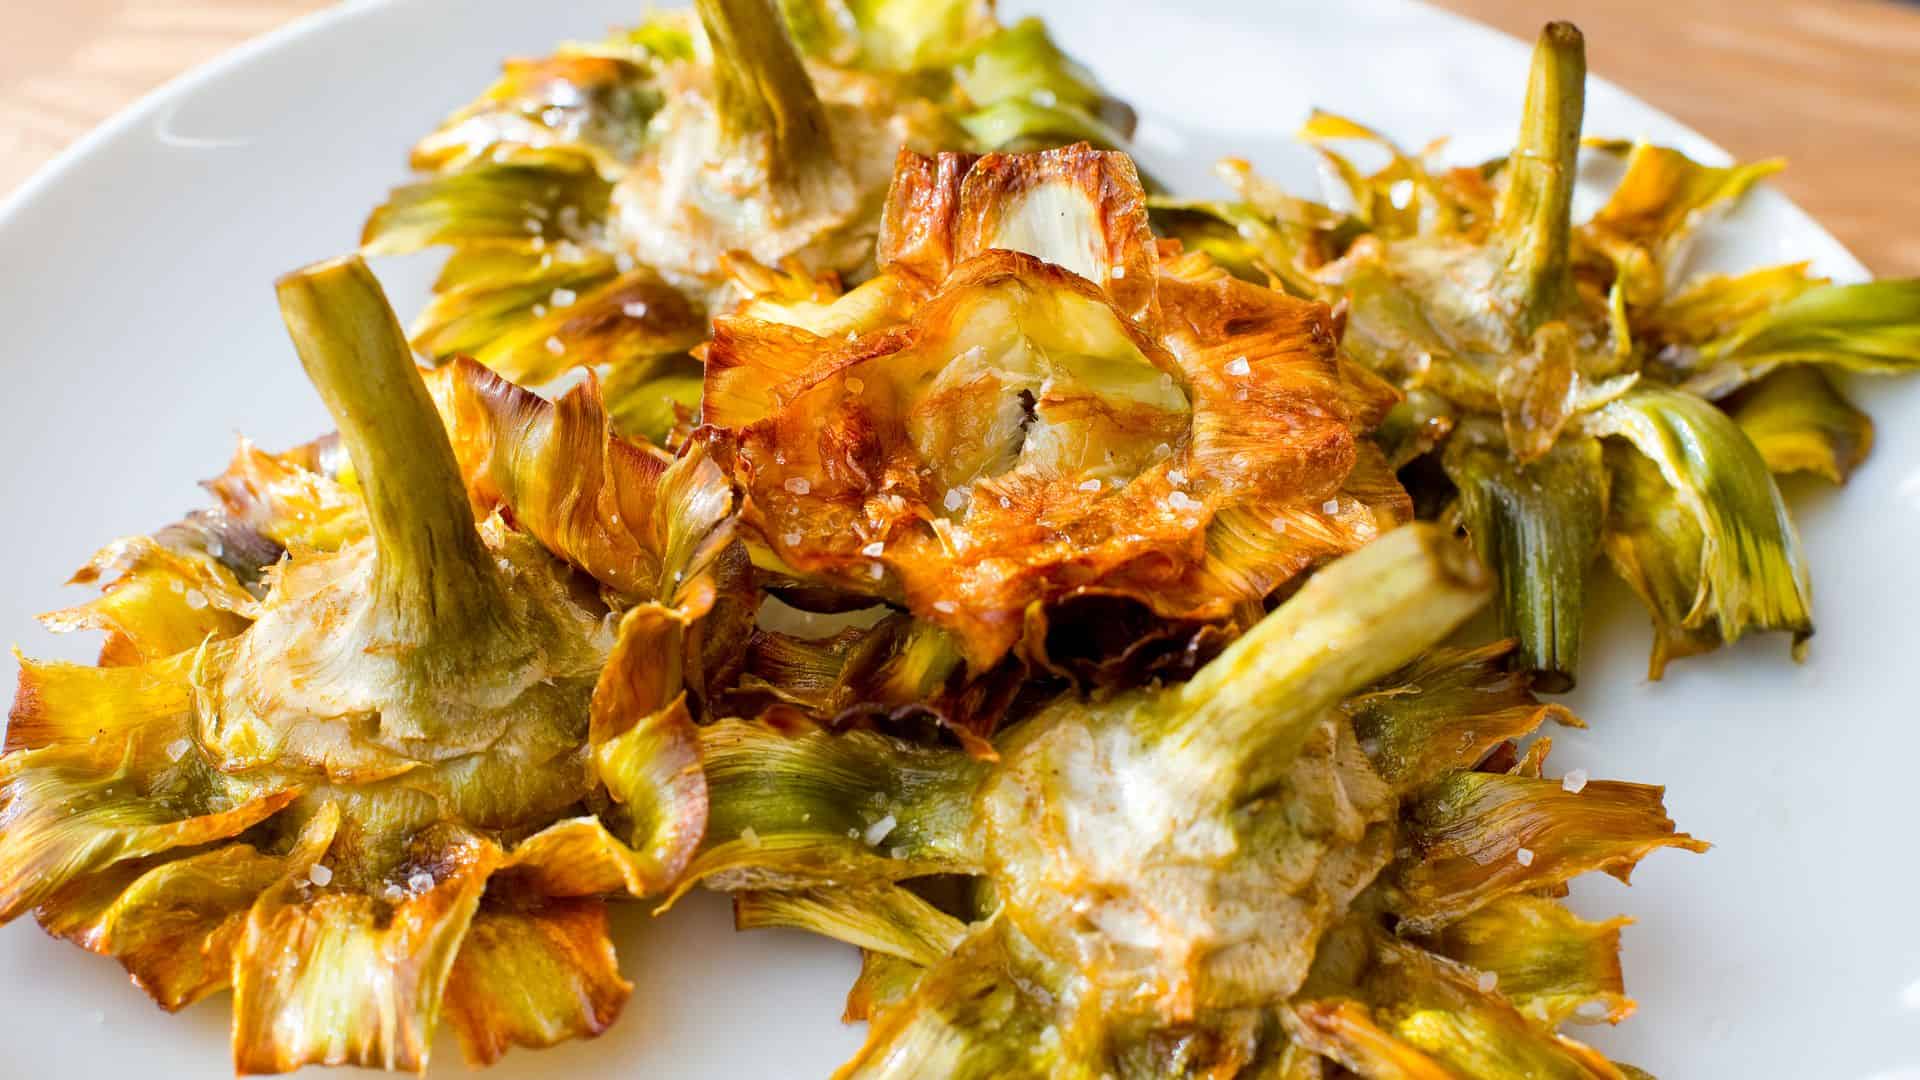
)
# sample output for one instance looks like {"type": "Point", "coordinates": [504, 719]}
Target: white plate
{"type": "Point", "coordinates": [141, 334]}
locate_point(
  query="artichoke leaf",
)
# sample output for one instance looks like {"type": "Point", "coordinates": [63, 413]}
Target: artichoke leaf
{"type": "Point", "coordinates": [1416, 1016]}
{"type": "Point", "coordinates": [1750, 571]}
{"type": "Point", "coordinates": [1871, 327]}
{"type": "Point", "coordinates": [1800, 422]}
{"type": "Point", "coordinates": [1477, 837]}
{"type": "Point", "coordinates": [878, 918]}
{"type": "Point", "coordinates": [301, 988]}
{"type": "Point", "coordinates": [1662, 200]}
{"type": "Point", "coordinates": [1551, 964]}
{"type": "Point", "coordinates": [533, 977]}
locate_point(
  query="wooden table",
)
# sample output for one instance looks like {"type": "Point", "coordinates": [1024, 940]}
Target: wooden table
{"type": "Point", "coordinates": [1834, 85]}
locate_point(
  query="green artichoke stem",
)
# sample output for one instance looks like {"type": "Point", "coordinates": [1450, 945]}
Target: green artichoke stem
{"type": "Point", "coordinates": [431, 569]}
{"type": "Point", "coordinates": [1534, 219]}
{"type": "Point", "coordinates": [763, 88]}
{"type": "Point", "coordinates": [1354, 621]}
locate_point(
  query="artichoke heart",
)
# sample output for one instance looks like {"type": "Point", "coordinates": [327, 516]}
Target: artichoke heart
{"type": "Point", "coordinates": [593, 197]}
{"type": "Point", "coordinates": [359, 747]}
{"type": "Point", "coordinates": [1034, 402]}
{"type": "Point", "coordinates": [1203, 879]}
{"type": "Point", "coordinates": [1475, 291]}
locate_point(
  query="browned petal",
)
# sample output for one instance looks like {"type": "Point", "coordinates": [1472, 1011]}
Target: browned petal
{"type": "Point", "coordinates": [533, 977]}
{"type": "Point", "coordinates": [1479, 836]}
{"type": "Point", "coordinates": [333, 977]}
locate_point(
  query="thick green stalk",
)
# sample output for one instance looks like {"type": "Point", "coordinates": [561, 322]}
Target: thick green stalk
{"type": "Point", "coordinates": [763, 88]}
{"type": "Point", "coordinates": [1534, 220]}
{"type": "Point", "coordinates": [431, 568]}
{"type": "Point", "coordinates": [1353, 622]}
{"type": "Point", "coordinates": [1538, 527]}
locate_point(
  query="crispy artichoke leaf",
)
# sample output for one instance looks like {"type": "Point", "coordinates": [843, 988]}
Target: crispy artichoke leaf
{"type": "Point", "coordinates": [1800, 422]}
{"type": "Point", "coordinates": [505, 205]}
{"type": "Point", "coordinates": [1477, 837]}
{"type": "Point", "coordinates": [1539, 526]}
{"type": "Point", "coordinates": [792, 811]}
{"type": "Point", "coordinates": [1873, 327]}
{"type": "Point", "coordinates": [175, 926]}
{"type": "Point", "coordinates": [304, 498]}
{"type": "Point", "coordinates": [1662, 199]}
{"type": "Point", "coordinates": [640, 523]}
{"type": "Point", "coordinates": [533, 977]}
{"type": "Point", "coordinates": [304, 990]}
{"type": "Point", "coordinates": [1551, 964]}
{"type": "Point", "coordinates": [964, 1019]}
{"type": "Point", "coordinates": [67, 810]}
{"type": "Point", "coordinates": [1750, 571]}
{"type": "Point", "coordinates": [158, 600]}
{"type": "Point", "coordinates": [1715, 306]}
{"type": "Point", "coordinates": [583, 99]}
{"type": "Point", "coordinates": [1023, 93]}
{"type": "Point", "coordinates": [1446, 711]}
{"type": "Point", "coordinates": [1418, 1017]}
{"type": "Point", "coordinates": [879, 918]}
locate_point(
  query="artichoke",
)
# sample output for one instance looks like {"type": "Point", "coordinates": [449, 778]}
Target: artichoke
{"type": "Point", "coordinates": [359, 746]}
{"type": "Point", "coordinates": [1578, 396]}
{"type": "Point", "coordinates": [1035, 419]}
{"type": "Point", "coordinates": [594, 198]}
{"type": "Point", "coordinates": [1322, 847]}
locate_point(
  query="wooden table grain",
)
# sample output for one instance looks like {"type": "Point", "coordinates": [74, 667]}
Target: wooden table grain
{"type": "Point", "coordinates": [1833, 85]}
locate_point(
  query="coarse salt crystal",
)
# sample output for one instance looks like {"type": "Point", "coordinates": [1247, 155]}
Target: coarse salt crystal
{"type": "Point", "coordinates": [798, 485]}
{"type": "Point", "coordinates": [532, 225]}
{"type": "Point", "coordinates": [1574, 781]}
{"type": "Point", "coordinates": [749, 837]}
{"type": "Point", "coordinates": [879, 830]}
{"type": "Point", "coordinates": [1175, 476]}
{"type": "Point", "coordinates": [1044, 97]}
{"type": "Point", "coordinates": [854, 385]}
{"type": "Point", "coordinates": [625, 263]}
{"type": "Point", "coordinates": [320, 875]}
{"type": "Point", "coordinates": [1279, 525]}
{"type": "Point", "coordinates": [791, 539]}
{"type": "Point", "coordinates": [1331, 506]}
{"type": "Point", "coordinates": [853, 335]}
{"type": "Point", "coordinates": [420, 881]}
{"type": "Point", "coordinates": [1117, 273]}
{"type": "Point", "coordinates": [1090, 485]}
{"type": "Point", "coordinates": [955, 499]}
{"type": "Point", "coordinates": [1525, 855]}
{"type": "Point", "coordinates": [177, 749]}
{"type": "Point", "coordinates": [556, 346]}
{"type": "Point", "coordinates": [1489, 980]}
{"type": "Point", "coordinates": [539, 311]}
{"type": "Point", "coordinates": [874, 550]}
{"type": "Point", "coordinates": [1239, 366]}
{"type": "Point", "coordinates": [1005, 503]}
{"type": "Point", "coordinates": [876, 571]}
{"type": "Point", "coordinates": [1592, 1010]}
{"type": "Point", "coordinates": [1180, 500]}
{"type": "Point", "coordinates": [634, 309]}
{"type": "Point", "coordinates": [945, 607]}
{"type": "Point", "coordinates": [897, 852]}
{"type": "Point", "coordinates": [563, 298]}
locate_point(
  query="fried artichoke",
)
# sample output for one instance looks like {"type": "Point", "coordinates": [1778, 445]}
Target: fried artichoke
{"type": "Point", "coordinates": [1313, 851]}
{"type": "Point", "coordinates": [593, 196]}
{"type": "Point", "coordinates": [358, 747]}
{"type": "Point", "coordinates": [1578, 396]}
{"type": "Point", "coordinates": [1034, 406]}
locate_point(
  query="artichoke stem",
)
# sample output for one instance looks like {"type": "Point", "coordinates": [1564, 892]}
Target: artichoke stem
{"type": "Point", "coordinates": [431, 568]}
{"type": "Point", "coordinates": [763, 89]}
{"type": "Point", "coordinates": [1535, 215]}
{"type": "Point", "coordinates": [1356, 620]}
